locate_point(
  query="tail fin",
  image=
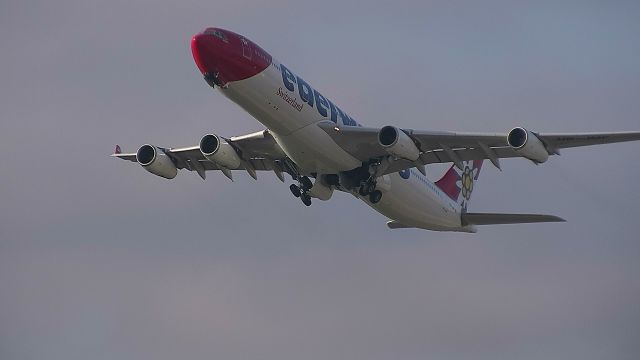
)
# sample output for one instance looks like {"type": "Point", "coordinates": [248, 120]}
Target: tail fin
{"type": "Point", "coordinates": [458, 184]}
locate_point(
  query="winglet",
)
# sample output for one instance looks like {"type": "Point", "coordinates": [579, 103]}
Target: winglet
{"type": "Point", "coordinates": [117, 150]}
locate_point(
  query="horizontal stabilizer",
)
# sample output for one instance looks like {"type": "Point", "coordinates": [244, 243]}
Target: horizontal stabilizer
{"type": "Point", "coordinates": [397, 225]}
{"type": "Point", "coordinates": [496, 219]}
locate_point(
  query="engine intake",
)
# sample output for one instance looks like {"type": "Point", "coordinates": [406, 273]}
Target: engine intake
{"type": "Point", "coordinates": [155, 161]}
{"type": "Point", "coordinates": [220, 152]}
{"type": "Point", "coordinates": [397, 143]}
{"type": "Point", "coordinates": [528, 145]}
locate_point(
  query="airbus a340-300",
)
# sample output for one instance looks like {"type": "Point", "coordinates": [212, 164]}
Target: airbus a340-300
{"type": "Point", "coordinates": [308, 136]}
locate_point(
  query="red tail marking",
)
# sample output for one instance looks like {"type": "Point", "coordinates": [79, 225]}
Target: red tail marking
{"type": "Point", "coordinates": [448, 183]}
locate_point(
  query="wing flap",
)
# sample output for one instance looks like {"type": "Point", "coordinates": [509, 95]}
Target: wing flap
{"type": "Point", "coordinates": [499, 219]}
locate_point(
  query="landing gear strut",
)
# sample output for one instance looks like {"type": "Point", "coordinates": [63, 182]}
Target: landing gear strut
{"type": "Point", "coordinates": [302, 189]}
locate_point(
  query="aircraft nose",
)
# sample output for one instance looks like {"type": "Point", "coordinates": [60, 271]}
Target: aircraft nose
{"type": "Point", "coordinates": [223, 56]}
{"type": "Point", "coordinates": [205, 53]}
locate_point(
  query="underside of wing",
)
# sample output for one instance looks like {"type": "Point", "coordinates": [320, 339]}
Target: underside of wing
{"type": "Point", "coordinates": [410, 148]}
{"type": "Point", "coordinates": [252, 152]}
{"type": "Point", "coordinates": [497, 219]}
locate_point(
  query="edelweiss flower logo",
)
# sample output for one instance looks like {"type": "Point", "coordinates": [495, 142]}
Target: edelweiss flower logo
{"type": "Point", "coordinates": [465, 184]}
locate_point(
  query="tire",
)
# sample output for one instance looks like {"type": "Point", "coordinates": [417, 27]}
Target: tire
{"type": "Point", "coordinates": [306, 199]}
{"type": "Point", "coordinates": [363, 190]}
{"type": "Point", "coordinates": [375, 197]}
{"type": "Point", "coordinates": [306, 182]}
{"type": "Point", "coordinates": [371, 187]}
{"type": "Point", "coordinates": [295, 190]}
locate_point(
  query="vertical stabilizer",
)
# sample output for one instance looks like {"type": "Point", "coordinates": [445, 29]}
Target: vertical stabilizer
{"type": "Point", "coordinates": [458, 184]}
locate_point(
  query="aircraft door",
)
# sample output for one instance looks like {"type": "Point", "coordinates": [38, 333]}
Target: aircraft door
{"type": "Point", "coordinates": [246, 49]}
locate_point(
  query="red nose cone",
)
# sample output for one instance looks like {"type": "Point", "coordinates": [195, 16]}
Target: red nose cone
{"type": "Point", "coordinates": [227, 56]}
{"type": "Point", "coordinates": [200, 52]}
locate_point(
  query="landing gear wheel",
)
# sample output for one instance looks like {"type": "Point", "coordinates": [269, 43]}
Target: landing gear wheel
{"type": "Point", "coordinates": [306, 199]}
{"type": "Point", "coordinates": [306, 183]}
{"type": "Point", "coordinates": [375, 197]}
{"type": "Point", "coordinates": [295, 190]}
{"type": "Point", "coordinates": [371, 187]}
{"type": "Point", "coordinates": [367, 188]}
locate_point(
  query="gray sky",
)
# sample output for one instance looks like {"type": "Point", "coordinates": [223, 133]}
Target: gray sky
{"type": "Point", "coordinates": [101, 260]}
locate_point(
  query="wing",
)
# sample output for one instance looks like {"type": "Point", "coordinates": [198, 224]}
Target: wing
{"type": "Point", "coordinates": [259, 152]}
{"type": "Point", "coordinates": [443, 147]}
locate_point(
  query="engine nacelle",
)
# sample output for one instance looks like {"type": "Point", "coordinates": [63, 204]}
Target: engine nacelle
{"type": "Point", "coordinates": [155, 161]}
{"type": "Point", "coordinates": [397, 143]}
{"type": "Point", "coordinates": [527, 144]}
{"type": "Point", "coordinates": [219, 151]}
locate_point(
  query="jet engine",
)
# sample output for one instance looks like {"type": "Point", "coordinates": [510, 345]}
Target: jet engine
{"type": "Point", "coordinates": [155, 161]}
{"type": "Point", "coordinates": [397, 143]}
{"type": "Point", "coordinates": [219, 151]}
{"type": "Point", "coordinates": [527, 144]}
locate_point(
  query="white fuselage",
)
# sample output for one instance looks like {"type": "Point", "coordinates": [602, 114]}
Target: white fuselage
{"type": "Point", "coordinates": [414, 202]}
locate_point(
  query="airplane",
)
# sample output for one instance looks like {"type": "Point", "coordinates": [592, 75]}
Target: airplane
{"type": "Point", "coordinates": [308, 136]}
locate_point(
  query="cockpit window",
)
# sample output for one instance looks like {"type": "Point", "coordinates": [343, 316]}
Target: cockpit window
{"type": "Point", "coordinates": [217, 33]}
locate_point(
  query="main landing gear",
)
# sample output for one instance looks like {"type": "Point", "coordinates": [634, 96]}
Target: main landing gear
{"type": "Point", "coordinates": [302, 190]}
{"type": "Point", "coordinates": [368, 188]}
{"type": "Point", "coordinates": [304, 183]}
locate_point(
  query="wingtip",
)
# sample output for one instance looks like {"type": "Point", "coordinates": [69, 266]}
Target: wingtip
{"type": "Point", "coordinates": [117, 150]}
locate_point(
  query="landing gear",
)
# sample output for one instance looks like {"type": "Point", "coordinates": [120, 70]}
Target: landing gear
{"type": "Point", "coordinates": [367, 187]}
{"type": "Point", "coordinates": [302, 189]}
{"type": "Point", "coordinates": [295, 190]}
{"type": "Point", "coordinates": [305, 182]}
{"type": "Point", "coordinates": [375, 197]}
{"type": "Point", "coordinates": [306, 199]}
{"type": "Point", "coordinates": [212, 79]}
